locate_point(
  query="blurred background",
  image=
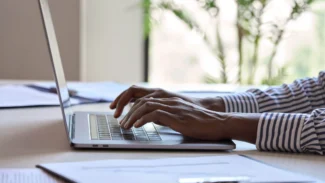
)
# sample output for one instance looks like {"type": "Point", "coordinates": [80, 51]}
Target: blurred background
{"type": "Point", "coordinates": [167, 41]}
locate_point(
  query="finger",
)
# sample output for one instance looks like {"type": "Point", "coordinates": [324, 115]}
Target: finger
{"type": "Point", "coordinates": [142, 102]}
{"type": "Point", "coordinates": [135, 106]}
{"type": "Point", "coordinates": [155, 94]}
{"type": "Point", "coordinates": [144, 109]}
{"type": "Point", "coordinates": [160, 116]}
{"type": "Point", "coordinates": [132, 92]}
{"type": "Point", "coordinates": [167, 101]}
{"type": "Point", "coordinates": [158, 123]}
{"type": "Point", "coordinates": [113, 104]}
{"type": "Point", "coordinates": [139, 102]}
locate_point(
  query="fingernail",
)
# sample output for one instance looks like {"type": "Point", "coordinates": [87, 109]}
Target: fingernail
{"type": "Point", "coordinates": [123, 119]}
{"type": "Point", "coordinates": [125, 124]}
{"type": "Point", "coordinates": [136, 124]}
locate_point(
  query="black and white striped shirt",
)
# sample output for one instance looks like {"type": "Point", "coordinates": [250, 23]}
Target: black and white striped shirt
{"type": "Point", "coordinates": [293, 116]}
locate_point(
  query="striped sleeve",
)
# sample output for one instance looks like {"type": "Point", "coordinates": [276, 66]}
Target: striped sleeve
{"type": "Point", "coordinates": [293, 116]}
{"type": "Point", "coordinates": [302, 96]}
{"type": "Point", "coordinates": [292, 132]}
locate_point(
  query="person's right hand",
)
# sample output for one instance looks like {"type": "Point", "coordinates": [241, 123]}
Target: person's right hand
{"type": "Point", "coordinates": [136, 92]}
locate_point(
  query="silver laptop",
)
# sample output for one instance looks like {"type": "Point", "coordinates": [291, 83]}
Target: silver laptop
{"type": "Point", "coordinates": [102, 130]}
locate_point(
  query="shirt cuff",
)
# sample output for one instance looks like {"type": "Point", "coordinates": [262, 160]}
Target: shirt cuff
{"type": "Point", "coordinates": [280, 132]}
{"type": "Point", "coordinates": [241, 102]}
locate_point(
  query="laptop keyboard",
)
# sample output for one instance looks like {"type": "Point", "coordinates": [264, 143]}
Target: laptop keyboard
{"type": "Point", "coordinates": [108, 128]}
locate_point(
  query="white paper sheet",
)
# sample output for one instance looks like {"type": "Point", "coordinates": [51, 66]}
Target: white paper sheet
{"type": "Point", "coordinates": [22, 96]}
{"type": "Point", "coordinates": [171, 170]}
{"type": "Point", "coordinates": [96, 91]}
{"type": "Point", "coordinates": [26, 176]}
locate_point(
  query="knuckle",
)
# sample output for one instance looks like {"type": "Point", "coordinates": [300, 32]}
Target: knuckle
{"type": "Point", "coordinates": [149, 104]}
{"type": "Point", "coordinates": [160, 90]}
{"type": "Point", "coordinates": [132, 88]}
{"type": "Point", "coordinates": [158, 112]}
{"type": "Point", "coordinates": [144, 101]}
{"type": "Point", "coordinates": [177, 99]}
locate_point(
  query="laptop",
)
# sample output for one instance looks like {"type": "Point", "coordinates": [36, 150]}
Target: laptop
{"type": "Point", "coordinates": [101, 130]}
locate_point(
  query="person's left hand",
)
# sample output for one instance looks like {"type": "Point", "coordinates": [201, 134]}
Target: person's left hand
{"type": "Point", "coordinates": [182, 116]}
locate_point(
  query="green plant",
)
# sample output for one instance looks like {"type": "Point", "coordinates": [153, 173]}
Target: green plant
{"type": "Point", "coordinates": [298, 8]}
{"type": "Point", "coordinates": [249, 26]}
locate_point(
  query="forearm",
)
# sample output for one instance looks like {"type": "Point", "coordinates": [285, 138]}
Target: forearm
{"type": "Point", "coordinates": [279, 131]}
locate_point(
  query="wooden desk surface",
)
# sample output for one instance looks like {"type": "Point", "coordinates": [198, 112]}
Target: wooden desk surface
{"type": "Point", "coordinates": [29, 136]}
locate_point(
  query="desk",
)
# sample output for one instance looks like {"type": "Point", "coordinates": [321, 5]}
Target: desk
{"type": "Point", "coordinates": [29, 136]}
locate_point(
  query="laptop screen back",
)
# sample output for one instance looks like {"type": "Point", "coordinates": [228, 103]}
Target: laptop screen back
{"type": "Point", "coordinates": [57, 65]}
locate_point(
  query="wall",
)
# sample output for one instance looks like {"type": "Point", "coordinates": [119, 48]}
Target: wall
{"type": "Point", "coordinates": [23, 51]}
{"type": "Point", "coordinates": [112, 38]}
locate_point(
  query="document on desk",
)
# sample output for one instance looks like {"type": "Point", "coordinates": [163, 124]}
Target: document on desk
{"type": "Point", "coordinates": [96, 91]}
{"type": "Point", "coordinates": [32, 175]}
{"type": "Point", "coordinates": [172, 170]}
{"type": "Point", "coordinates": [22, 96]}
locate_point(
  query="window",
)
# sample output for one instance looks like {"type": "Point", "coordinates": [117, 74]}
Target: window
{"type": "Point", "coordinates": [198, 41]}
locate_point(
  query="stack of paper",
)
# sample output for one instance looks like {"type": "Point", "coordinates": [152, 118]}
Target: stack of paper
{"type": "Point", "coordinates": [22, 96]}
{"type": "Point", "coordinates": [26, 176]}
{"type": "Point", "coordinates": [96, 91]}
{"type": "Point", "coordinates": [173, 170]}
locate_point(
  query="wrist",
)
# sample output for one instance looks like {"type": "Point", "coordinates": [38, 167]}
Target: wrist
{"type": "Point", "coordinates": [242, 126]}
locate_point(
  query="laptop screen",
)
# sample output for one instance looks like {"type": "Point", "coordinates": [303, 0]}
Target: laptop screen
{"type": "Point", "coordinates": [57, 65]}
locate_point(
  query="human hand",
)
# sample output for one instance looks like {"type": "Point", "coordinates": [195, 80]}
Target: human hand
{"type": "Point", "coordinates": [180, 115]}
{"type": "Point", "coordinates": [136, 92]}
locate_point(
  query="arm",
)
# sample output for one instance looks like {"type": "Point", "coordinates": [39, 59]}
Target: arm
{"type": "Point", "coordinates": [269, 131]}
{"type": "Point", "coordinates": [277, 129]}
{"type": "Point", "coordinates": [281, 131]}
{"type": "Point", "coordinates": [302, 96]}
{"type": "Point", "coordinates": [292, 132]}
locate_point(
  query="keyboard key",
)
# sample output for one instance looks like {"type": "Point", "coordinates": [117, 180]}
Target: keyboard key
{"type": "Point", "coordinates": [129, 137]}
{"type": "Point", "coordinates": [142, 139]}
{"type": "Point", "coordinates": [105, 138]}
{"type": "Point", "coordinates": [138, 129]}
{"type": "Point", "coordinates": [115, 131]}
{"type": "Point", "coordinates": [149, 128]}
{"type": "Point", "coordinates": [158, 139]}
{"type": "Point", "coordinates": [109, 129]}
{"type": "Point", "coordinates": [127, 133]}
{"type": "Point", "coordinates": [117, 138]}
{"type": "Point", "coordinates": [116, 135]}
{"type": "Point", "coordinates": [151, 133]}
